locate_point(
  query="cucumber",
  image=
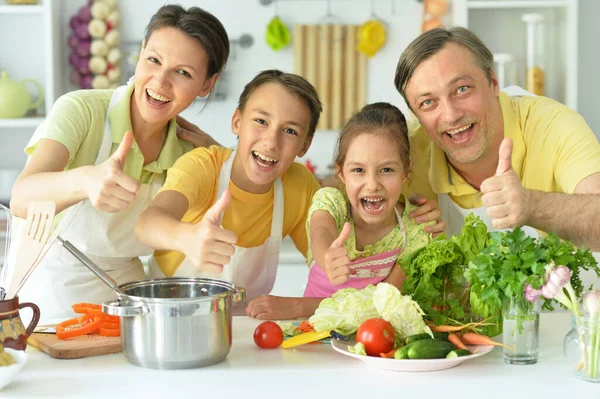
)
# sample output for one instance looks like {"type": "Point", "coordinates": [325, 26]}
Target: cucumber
{"type": "Point", "coordinates": [402, 353]}
{"type": "Point", "coordinates": [458, 353]}
{"type": "Point", "coordinates": [419, 337]}
{"type": "Point", "coordinates": [430, 349]}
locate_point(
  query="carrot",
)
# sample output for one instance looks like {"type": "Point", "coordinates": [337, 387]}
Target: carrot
{"type": "Point", "coordinates": [455, 339]}
{"type": "Point", "coordinates": [470, 338]}
{"type": "Point", "coordinates": [388, 355]}
{"type": "Point", "coordinates": [460, 327]}
{"type": "Point", "coordinates": [305, 326]}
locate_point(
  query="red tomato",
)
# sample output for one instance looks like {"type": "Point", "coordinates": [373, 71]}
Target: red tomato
{"type": "Point", "coordinates": [268, 335]}
{"type": "Point", "coordinates": [377, 335]}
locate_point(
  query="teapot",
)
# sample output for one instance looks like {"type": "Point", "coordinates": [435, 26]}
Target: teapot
{"type": "Point", "coordinates": [15, 100]}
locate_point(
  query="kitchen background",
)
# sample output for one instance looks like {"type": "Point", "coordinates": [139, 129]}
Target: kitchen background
{"type": "Point", "coordinates": [34, 40]}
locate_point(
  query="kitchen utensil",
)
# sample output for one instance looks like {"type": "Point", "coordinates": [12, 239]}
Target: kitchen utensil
{"type": "Point", "coordinates": [4, 267]}
{"type": "Point", "coordinates": [12, 333]}
{"type": "Point", "coordinates": [39, 225]}
{"type": "Point", "coordinates": [312, 336]}
{"type": "Point", "coordinates": [408, 364]}
{"type": "Point", "coordinates": [76, 347]}
{"type": "Point", "coordinates": [15, 100]}
{"type": "Point", "coordinates": [92, 266]}
{"type": "Point", "coordinates": [177, 322]}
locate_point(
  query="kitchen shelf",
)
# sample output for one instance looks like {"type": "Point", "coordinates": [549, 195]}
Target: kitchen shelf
{"type": "Point", "coordinates": [27, 122]}
{"type": "Point", "coordinates": [21, 9]}
{"type": "Point", "coordinates": [489, 4]}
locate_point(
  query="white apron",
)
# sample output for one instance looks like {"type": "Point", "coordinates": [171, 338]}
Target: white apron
{"type": "Point", "coordinates": [454, 215]}
{"type": "Point", "coordinates": [254, 268]}
{"type": "Point", "coordinates": [108, 239]}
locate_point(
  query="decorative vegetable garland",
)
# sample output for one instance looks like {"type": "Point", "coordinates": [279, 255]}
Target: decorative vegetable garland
{"type": "Point", "coordinates": [95, 53]}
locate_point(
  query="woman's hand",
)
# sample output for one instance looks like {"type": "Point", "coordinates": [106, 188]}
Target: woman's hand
{"type": "Point", "coordinates": [210, 246]}
{"type": "Point", "coordinates": [191, 133]}
{"type": "Point", "coordinates": [107, 187]}
{"type": "Point", "coordinates": [427, 211]}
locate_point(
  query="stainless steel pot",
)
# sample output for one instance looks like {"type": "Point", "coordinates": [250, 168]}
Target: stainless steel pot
{"type": "Point", "coordinates": [176, 323]}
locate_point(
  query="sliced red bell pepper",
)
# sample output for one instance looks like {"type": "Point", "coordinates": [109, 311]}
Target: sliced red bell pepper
{"type": "Point", "coordinates": [76, 327]}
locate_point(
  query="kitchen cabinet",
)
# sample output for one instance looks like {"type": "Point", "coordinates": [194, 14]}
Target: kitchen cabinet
{"type": "Point", "coordinates": [498, 23]}
{"type": "Point", "coordinates": [30, 38]}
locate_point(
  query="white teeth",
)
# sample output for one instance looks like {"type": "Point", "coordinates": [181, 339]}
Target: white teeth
{"type": "Point", "coordinates": [263, 157]}
{"type": "Point", "coordinates": [157, 96]}
{"type": "Point", "coordinates": [460, 129]}
{"type": "Point", "coordinates": [373, 200]}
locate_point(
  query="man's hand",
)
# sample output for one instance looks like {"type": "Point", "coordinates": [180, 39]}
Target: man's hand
{"type": "Point", "coordinates": [191, 133]}
{"type": "Point", "coordinates": [505, 198]}
{"type": "Point", "coordinates": [337, 260]}
{"type": "Point", "coordinates": [427, 211]}
{"type": "Point", "coordinates": [210, 246]}
{"type": "Point", "coordinates": [107, 187]}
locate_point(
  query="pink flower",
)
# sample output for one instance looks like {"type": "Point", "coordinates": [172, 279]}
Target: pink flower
{"type": "Point", "coordinates": [532, 294]}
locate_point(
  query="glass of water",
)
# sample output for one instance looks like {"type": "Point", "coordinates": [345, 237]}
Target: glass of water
{"type": "Point", "coordinates": [521, 331]}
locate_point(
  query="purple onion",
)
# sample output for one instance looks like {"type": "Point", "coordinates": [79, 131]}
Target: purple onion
{"type": "Point", "coordinates": [75, 22]}
{"type": "Point", "coordinates": [83, 50]}
{"type": "Point", "coordinates": [84, 66]}
{"type": "Point", "coordinates": [86, 82]}
{"type": "Point", "coordinates": [75, 78]}
{"type": "Point", "coordinates": [74, 59]}
{"type": "Point", "coordinates": [85, 13]}
{"type": "Point", "coordinates": [82, 32]}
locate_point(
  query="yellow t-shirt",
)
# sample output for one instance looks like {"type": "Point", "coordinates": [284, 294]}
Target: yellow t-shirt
{"type": "Point", "coordinates": [77, 121]}
{"type": "Point", "coordinates": [248, 215]}
{"type": "Point", "coordinates": [334, 202]}
{"type": "Point", "coordinates": [553, 150]}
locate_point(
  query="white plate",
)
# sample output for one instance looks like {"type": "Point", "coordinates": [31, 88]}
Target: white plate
{"type": "Point", "coordinates": [7, 373]}
{"type": "Point", "coordinates": [409, 364]}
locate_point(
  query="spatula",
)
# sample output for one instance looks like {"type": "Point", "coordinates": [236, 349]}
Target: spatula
{"type": "Point", "coordinates": [39, 223]}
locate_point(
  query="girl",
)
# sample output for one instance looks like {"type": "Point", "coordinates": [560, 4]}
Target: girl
{"type": "Point", "coordinates": [356, 236]}
{"type": "Point", "coordinates": [101, 156]}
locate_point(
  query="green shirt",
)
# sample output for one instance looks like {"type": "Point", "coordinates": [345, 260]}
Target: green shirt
{"type": "Point", "coordinates": [334, 202]}
{"type": "Point", "coordinates": [77, 121]}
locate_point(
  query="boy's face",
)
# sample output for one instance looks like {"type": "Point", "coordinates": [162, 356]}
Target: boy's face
{"type": "Point", "coordinates": [272, 131]}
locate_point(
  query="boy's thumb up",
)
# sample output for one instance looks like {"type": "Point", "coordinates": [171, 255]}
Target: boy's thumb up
{"type": "Point", "coordinates": [121, 154]}
{"type": "Point", "coordinates": [344, 235]}
{"type": "Point", "coordinates": [215, 212]}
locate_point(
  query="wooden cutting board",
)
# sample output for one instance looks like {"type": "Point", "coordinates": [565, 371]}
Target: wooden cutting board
{"type": "Point", "coordinates": [76, 347]}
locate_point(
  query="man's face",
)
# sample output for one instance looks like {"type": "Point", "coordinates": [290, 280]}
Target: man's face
{"type": "Point", "coordinates": [456, 104]}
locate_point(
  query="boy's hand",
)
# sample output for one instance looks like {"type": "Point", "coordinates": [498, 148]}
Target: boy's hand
{"type": "Point", "coordinates": [211, 246]}
{"type": "Point", "coordinates": [427, 211]}
{"type": "Point", "coordinates": [107, 187]}
{"type": "Point", "coordinates": [337, 259]}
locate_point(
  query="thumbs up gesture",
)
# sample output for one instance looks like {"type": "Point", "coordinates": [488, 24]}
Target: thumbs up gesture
{"type": "Point", "coordinates": [106, 186]}
{"type": "Point", "coordinates": [212, 246]}
{"type": "Point", "coordinates": [336, 258]}
{"type": "Point", "coordinates": [505, 198]}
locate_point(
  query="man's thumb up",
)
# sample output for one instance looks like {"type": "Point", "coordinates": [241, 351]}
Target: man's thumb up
{"type": "Point", "coordinates": [504, 157]}
{"type": "Point", "coordinates": [344, 235]}
{"type": "Point", "coordinates": [215, 212]}
{"type": "Point", "coordinates": [121, 154]}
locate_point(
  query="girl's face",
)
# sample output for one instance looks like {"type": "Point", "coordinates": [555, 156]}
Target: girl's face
{"type": "Point", "coordinates": [373, 174]}
{"type": "Point", "coordinates": [272, 131]}
{"type": "Point", "coordinates": [169, 75]}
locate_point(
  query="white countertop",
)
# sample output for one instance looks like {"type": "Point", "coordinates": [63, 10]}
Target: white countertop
{"type": "Point", "coordinates": [311, 371]}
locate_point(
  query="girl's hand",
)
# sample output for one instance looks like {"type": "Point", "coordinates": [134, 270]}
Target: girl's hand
{"type": "Point", "coordinates": [107, 187]}
{"type": "Point", "coordinates": [427, 211]}
{"type": "Point", "coordinates": [191, 133]}
{"type": "Point", "coordinates": [337, 260]}
{"type": "Point", "coordinates": [210, 245]}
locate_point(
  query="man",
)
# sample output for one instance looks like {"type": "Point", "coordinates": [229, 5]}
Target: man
{"type": "Point", "coordinates": [520, 161]}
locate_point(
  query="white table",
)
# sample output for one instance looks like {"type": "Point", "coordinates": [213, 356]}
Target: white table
{"type": "Point", "coordinates": [311, 371]}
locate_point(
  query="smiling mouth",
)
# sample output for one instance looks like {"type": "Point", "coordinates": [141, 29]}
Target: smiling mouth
{"type": "Point", "coordinates": [156, 99]}
{"type": "Point", "coordinates": [373, 204]}
{"type": "Point", "coordinates": [459, 133]}
{"type": "Point", "coordinates": [264, 160]}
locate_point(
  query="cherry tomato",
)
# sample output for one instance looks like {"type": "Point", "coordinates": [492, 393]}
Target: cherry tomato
{"type": "Point", "coordinates": [377, 335]}
{"type": "Point", "coordinates": [268, 335]}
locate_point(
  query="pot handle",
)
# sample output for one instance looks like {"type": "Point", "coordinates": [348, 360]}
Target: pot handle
{"type": "Point", "coordinates": [238, 294]}
{"type": "Point", "coordinates": [115, 308]}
